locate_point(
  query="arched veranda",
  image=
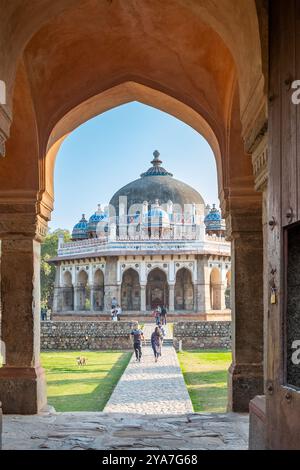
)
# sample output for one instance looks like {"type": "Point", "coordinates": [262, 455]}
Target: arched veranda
{"type": "Point", "coordinates": [157, 289]}
{"type": "Point", "coordinates": [68, 292]}
{"type": "Point", "coordinates": [130, 291]}
{"type": "Point", "coordinates": [184, 290]}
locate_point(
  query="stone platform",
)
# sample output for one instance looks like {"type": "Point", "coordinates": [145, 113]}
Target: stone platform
{"type": "Point", "coordinates": [109, 431]}
{"type": "Point", "coordinates": [147, 316]}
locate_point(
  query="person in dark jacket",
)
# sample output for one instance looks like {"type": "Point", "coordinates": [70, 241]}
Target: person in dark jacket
{"type": "Point", "coordinates": [138, 337]}
{"type": "Point", "coordinates": [163, 315]}
{"type": "Point", "coordinates": [156, 342]}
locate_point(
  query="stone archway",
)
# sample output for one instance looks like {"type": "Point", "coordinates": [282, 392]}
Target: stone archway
{"type": "Point", "coordinates": [82, 292]}
{"type": "Point", "coordinates": [215, 289]}
{"type": "Point", "coordinates": [207, 71]}
{"type": "Point", "coordinates": [97, 295]}
{"type": "Point", "coordinates": [67, 292]}
{"type": "Point", "coordinates": [130, 291]}
{"type": "Point", "coordinates": [184, 290]}
{"type": "Point", "coordinates": [157, 289]}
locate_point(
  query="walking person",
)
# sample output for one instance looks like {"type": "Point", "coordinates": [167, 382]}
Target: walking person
{"type": "Point", "coordinates": [119, 312]}
{"type": "Point", "coordinates": [157, 315]}
{"type": "Point", "coordinates": [162, 330]}
{"type": "Point", "coordinates": [138, 337]}
{"type": "Point", "coordinates": [156, 342]}
{"type": "Point", "coordinates": [113, 313]}
{"type": "Point", "coordinates": [114, 302]}
{"type": "Point", "coordinates": [163, 315]}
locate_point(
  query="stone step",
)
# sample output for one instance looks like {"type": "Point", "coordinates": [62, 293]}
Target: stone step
{"type": "Point", "coordinates": [166, 342]}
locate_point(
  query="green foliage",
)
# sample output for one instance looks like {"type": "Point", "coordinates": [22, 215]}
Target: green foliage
{"type": "Point", "coordinates": [48, 251]}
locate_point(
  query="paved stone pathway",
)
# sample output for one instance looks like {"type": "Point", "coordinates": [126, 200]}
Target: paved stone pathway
{"type": "Point", "coordinates": [109, 431]}
{"type": "Point", "coordinates": [151, 388]}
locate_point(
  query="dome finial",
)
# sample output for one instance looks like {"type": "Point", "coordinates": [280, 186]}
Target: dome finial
{"type": "Point", "coordinates": [156, 169]}
{"type": "Point", "coordinates": [156, 160]}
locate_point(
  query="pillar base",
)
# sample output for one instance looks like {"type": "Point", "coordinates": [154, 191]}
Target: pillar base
{"type": "Point", "coordinates": [257, 423]}
{"type": "Point", "coordinates": [0, 425]}
{"type": "Point", "coordinates": [245, 381]}
{"type": "Point", "coordinates": [22, 390]}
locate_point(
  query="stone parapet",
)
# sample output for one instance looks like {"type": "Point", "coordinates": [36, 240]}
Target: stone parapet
{"type": "Point", "coordinates": [82, 335]}
{"type": "Point", "coordinates": [202, 334]}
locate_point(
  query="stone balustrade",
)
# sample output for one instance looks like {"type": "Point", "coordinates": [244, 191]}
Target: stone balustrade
{"type": "Point", "coordinates": [210, 245]}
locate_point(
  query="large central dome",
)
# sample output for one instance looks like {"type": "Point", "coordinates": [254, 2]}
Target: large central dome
{"type": "Point", "coordinates": [157, 183]}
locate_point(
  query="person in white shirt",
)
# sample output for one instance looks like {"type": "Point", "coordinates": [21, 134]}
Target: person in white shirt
{"type": "Point", "coordinates": [119, 312]}
{"type": "Point", "coordinates": [113, 313]}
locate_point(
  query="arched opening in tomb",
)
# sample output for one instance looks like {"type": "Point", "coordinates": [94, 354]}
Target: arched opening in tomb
{"type": "Point", "coordinates": [215, 289]}
{"type": "Point", "coordinates": [98, 291]}
{"type": "Point", "coordinates": [68, 292]}
{"type": "Point", "coordinates": [157, 289]}
{"type": "Point", "coordinates": [130, 291]}
{"type": "Point", "coordinates": [82, 292]}
{"type": "Point", "coordinates": [184, 290]}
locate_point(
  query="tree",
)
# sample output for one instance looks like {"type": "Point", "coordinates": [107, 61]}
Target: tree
{"type": "Point", "coordinates": [48, 251]}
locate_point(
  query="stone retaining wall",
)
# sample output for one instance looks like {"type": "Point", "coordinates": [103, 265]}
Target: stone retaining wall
{"type": "Point", "coordinates": [202, 334]}
{"type": "Point", "coordinates": [77, 335]}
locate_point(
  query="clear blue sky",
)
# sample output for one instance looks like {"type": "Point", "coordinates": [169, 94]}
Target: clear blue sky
{"type": "Point", "coordinates": [114, 148]}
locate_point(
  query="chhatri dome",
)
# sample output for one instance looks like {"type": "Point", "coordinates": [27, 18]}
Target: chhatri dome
{"type": "Point", "coordinates": [213, 220]}
{"type": "Point", "coordinates": [157, 184]}
{"type": "Point", "coordinates": [79, 231]}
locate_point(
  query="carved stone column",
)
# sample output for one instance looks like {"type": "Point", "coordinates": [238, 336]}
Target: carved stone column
{"type": "Point", "coordinates": [92, 298]}
{"type": "Point", "coordinates": [257, 410]}
{"type": "Point", "coordinates": [246, 371]}
{"type": "Point", "coordinates": [195, 303]}
{"type": "Point", "coordinates": [260, 171]}
{"type": "Point", "coordinates": [202, 290]}
{"type": "Point", "coordinates": [143, 298]}
{"type": "Point", "coordinates": [223, 289]}
{"type": "Point", "coordinates": [171, 297]}
{"type": "Point", "coordinates": [76, 298]}
{"type": "Point", "coordinates": [22, 380]}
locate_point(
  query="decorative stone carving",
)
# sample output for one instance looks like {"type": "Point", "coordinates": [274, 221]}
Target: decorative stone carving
{"type": "Point", "coordinates": [2, 145]}
{"type": "Point", "coordinates": [260, 164]}
{"type": "Point", "coordinates": [5, 123]}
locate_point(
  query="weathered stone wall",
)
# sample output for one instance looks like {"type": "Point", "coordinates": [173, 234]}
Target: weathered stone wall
{"type": "Point", "coordinates": [203, 334]}
{"type": "Point", "coordinates": [77, 335]}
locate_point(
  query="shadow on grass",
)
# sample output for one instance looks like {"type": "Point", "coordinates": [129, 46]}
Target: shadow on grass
{"type": "Point", "coordinates": [209, 377]}
{"type": "Point", "coordinates": [98, 397]}
{"type": "Point", "coordinates": [212, 399]}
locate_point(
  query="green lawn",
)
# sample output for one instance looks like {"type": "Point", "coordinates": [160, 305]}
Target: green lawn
{"type": "Point", "coordinates": [86, 388]}
{"type": "Point", "coordinates": [205, 374]}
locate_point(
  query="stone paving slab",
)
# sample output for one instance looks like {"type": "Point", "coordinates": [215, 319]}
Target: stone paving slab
{"type": "Point", "coordinates": [147, 387]}
{"type": "Point", "coordinates": [108, 431]}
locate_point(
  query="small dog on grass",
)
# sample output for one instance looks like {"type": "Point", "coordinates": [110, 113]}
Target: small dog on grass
{"type": "Point", "coordinates": [81, 360]}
